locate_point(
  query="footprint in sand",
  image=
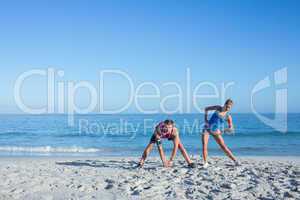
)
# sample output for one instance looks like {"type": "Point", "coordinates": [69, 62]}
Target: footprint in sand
{"type": "Point", "coordinates": [110, 184]}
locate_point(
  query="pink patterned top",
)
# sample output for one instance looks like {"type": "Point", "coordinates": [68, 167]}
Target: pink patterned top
{"type": "Point", "coordinates": [163, 131]}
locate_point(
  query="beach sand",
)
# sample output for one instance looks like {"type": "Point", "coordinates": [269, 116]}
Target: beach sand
{"type": "Point", "coordinates": [117, 178]}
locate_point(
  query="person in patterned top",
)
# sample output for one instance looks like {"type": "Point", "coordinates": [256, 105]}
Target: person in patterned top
{"type": "Point", "coordinates": [166, 130]}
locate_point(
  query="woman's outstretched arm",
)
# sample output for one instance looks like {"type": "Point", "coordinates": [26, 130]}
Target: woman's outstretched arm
{"type": "Point", "coordinates": [175, 148]}
{"type": "Point", "coordinates": [162, 153]}
{"type": "Point", "coordinates": [230, 128]}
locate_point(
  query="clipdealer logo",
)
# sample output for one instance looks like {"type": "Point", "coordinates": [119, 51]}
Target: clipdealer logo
{"type": "Point", "coordinates": [61, 95]}
{"type": "Point", "coordinates": [280, 80]}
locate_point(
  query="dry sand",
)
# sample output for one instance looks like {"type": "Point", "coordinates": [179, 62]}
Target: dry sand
{"type": "Point", "coordinates": [117, 178]}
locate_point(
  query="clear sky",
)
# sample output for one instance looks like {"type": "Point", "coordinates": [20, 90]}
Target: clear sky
{"type": "Point", "coordinates": [219, 41]}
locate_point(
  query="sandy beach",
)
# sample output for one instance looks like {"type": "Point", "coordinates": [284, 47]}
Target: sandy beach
{"type": "Point", "coordinates": [117, 178]}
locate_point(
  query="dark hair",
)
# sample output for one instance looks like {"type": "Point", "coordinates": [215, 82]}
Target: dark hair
{"type": "Point", "coordinates": [169, 122]}
{"type": "Point", "coordinates": [228, 101]}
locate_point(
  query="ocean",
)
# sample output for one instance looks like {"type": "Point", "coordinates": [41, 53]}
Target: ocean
{"type": "Point", "coordinates": [128, 134]}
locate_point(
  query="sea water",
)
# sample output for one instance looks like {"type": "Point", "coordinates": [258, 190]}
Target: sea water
{"type": "Point", "coordinates": [128, 134]}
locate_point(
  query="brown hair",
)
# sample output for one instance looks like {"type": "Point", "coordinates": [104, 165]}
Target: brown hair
{"type": "Point", "coordinates": [169, 122]}
{"type": "Point", "coordinates": [228, 101]}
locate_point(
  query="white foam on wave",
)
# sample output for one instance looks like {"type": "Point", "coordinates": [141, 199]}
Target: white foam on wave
{"type": "Point", "coordinates": [48, 149]}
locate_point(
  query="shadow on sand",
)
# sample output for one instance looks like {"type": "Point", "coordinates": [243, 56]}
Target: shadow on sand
{"type": "Point", "coordinates": [127, 165]}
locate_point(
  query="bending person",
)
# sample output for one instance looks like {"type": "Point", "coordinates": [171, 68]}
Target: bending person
{"type": "Point", "coordinates": [166, 130]}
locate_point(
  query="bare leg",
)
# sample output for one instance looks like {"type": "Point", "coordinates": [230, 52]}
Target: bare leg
{"type": "Point", "coordinates": [184, 153]}
{"type": "Point", "coordinates": [205, 138]}
{"type": "Point", "coordinates": [220, 141]}
{"type": "Point", "coordinates": [146, 153]}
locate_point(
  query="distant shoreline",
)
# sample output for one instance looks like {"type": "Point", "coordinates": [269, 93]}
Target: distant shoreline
{"type": "Point", "coordinates": [294, 159]}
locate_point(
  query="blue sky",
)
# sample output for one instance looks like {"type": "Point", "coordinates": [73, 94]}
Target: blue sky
{"type": "Point", "coordinates": [219, 41]}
